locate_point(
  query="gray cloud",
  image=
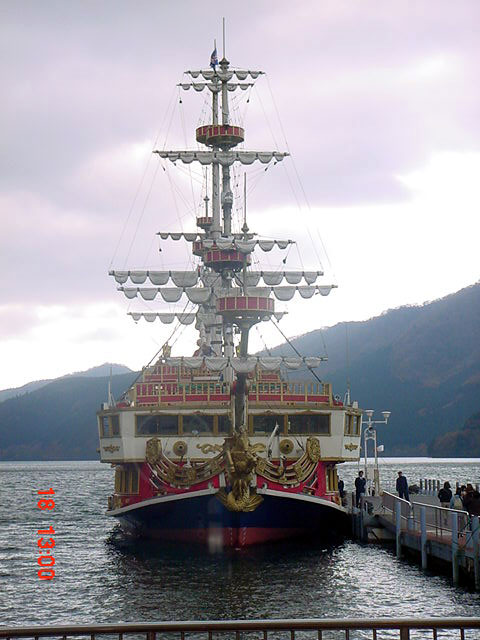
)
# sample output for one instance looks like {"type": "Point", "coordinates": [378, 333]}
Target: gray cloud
{"type": "Point", "coordinates": [366, 91]}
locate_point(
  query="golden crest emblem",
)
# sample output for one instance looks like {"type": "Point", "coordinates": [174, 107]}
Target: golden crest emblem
{"type": "Point", "coordinates": [286, 446]}
{"type": "Point", "coordinates": [180, 448]}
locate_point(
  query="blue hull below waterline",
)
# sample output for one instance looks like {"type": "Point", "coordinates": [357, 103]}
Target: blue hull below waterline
{"type": "Point", "coordinates": [202, 518]}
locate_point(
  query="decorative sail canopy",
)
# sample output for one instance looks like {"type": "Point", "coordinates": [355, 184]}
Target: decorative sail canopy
{"type": "Point", "coordinates": [229, 242]}
{"type": "Point", "coordinates": [201, 295]}
{"type": "Point", "coordinates": [248, 364]}
{"type": "Point", "coordinates": [189, 237]}
{"type": "Point", "coordinates": [281, 293]}
{"type": "Point", "coordinates": [179, 278]}
{"type": "Point", "coordinates": [225, 158]}
{"type": "Point", "coordinates": [193, 237]}
{"type": "Point", "coordinates": [165, 318]}
{"type": "Point", "coordinates": [198, 295]}
{"type": "Point", "coordinates": [276, 277]}
{"type": "Point", "coordinates": [215, 88]}
{"type": "Point", "coordinates": [210, 74]}
{"type": "Point", "coordinates": [185, 318]}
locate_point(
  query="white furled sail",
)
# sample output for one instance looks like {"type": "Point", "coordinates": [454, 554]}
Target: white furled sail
{"type": "Point", "coordinates": [224, 158]}
{"type": "Point", "coordinates": [226, 243]}
{"type": "Point", "coordinates": [273, 278]}
{"type": "Point", "coordinates": [226, 76]}
{"type": "Point", "coordinates": [179, 278]}
{"type": "Point", "coordinates": [247, 364]}
{"type": "Point", "coordinates": [165, 318]}
{"type": "Point", "coordinates": [200, 86]}
{"type": "Point", "coordinates": [200, 295]}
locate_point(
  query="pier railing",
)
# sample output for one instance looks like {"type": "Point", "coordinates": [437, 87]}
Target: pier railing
{"type": "Point", "coordinates": [437, 521]}
{"type": "Point", "coordinates": [447, 534]}
{"type": "Point", "coordinates": [343, 629]}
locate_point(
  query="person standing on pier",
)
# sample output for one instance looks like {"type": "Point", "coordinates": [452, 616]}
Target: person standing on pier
{"type": "Point", "coordinates": [445, 495]}
{"type": "Point", "coordinates": [402, 486]}
{"type": "Point", "coordinates": [360, 486]}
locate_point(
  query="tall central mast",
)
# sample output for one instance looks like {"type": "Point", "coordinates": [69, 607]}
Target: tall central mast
{"type": "Point", "coordinates": [227, 195]}
{"type": "Point", "coordinates": [217, 225]}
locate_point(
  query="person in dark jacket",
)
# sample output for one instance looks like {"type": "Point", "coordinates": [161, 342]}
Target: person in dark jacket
{"type": "Point", "coordinates": [445, 495]}
{"type": "Point", "coordinates": [473, 507]}
{"type": "Point", "coordinates": [402, 486]}
{"type": "Point", "coordinates": [467, 497]}
{"type": "Point", "coordinates": [360, 486]}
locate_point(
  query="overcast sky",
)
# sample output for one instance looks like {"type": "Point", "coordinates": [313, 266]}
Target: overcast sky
{"type": "Point", "coordinates": [378, 103]}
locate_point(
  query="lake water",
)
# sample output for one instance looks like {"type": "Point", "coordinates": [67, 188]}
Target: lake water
{"type": "Point", "coordinates": [102, 578]}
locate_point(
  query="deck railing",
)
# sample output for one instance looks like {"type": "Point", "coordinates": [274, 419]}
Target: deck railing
{"type": "Point", "coordinates": [344, 629]}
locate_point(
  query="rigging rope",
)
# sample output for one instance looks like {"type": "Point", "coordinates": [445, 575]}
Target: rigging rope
{"type": "Point", "coordinates": [295, 349]}
{"type": "Point", "coordinates": [182, 120]}
{"type": "Point", "coordinates": [300, 183]}
{"type": "Point", "coordinates": [137, 192]}
{"type": "Point", "coordinates": [134, 236]}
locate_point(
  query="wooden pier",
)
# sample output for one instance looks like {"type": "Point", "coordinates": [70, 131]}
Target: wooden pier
{"type": "Point", "coordinates": [437, 536]}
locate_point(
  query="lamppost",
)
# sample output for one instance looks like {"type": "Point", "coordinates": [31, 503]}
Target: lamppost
{"type": "Point", "coordinates": [370, 433]}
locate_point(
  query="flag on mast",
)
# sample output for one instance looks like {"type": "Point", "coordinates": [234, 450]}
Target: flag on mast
{"type": "Point", "coordinates": [214, 58]}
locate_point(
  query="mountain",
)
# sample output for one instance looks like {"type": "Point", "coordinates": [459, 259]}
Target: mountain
{"type": "Point", "coordinates": [57, 421]}
{"type": "Point", "coordinates": [20, 391]}
{"type": "Point", "coordinates": [98, 371]}
{"type": "Point", "coordinates": [464, 443]}
{"type": "Point", "coordinates": [422, 363]}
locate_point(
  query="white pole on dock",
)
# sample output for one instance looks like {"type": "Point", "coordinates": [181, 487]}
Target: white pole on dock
{"type": "Point", "coordinates": [398, 527]}
{"type": "Point", "coordinates": [423, 535]}
{"type": "Point", "coordinates": [455, 548]}
{"type": "Point", "coordinates": [476, 558]}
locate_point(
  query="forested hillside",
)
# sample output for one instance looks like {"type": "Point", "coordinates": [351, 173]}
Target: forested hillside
{"type": "Point", "coordinates": [58, 421]}
{"type": "Point", "coordinates": [421, 363]}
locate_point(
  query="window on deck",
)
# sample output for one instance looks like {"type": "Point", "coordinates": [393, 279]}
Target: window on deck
{"type": "Point", "coordinates": [157, 424]}
{"type": "Point", "coordinates": [308, 424]}
{"type": "Point", "coordinates": [266, 424]}
{"type": "Point", "coordinates": [200, 423]}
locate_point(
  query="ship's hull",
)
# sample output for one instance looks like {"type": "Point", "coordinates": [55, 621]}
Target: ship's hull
{"type": "Point", "coordinates": [202, 518]}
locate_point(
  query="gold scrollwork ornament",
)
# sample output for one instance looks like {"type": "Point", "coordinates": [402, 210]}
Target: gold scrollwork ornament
{"type": "Point", "coordinates": [206, 447]}
{"type": "Point", "coordinates": [153, 450]}
{"type": "Point", "coordinates": [313, 449]}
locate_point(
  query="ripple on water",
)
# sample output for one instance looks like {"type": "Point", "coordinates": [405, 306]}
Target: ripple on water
{"type": "Point", "coordinates": [101, 577]}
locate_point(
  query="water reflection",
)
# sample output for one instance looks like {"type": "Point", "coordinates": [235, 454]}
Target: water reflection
{"type": "Point", "coordinates": [103, 577]}
{"type": "Point", "coordinates": [278, 581]}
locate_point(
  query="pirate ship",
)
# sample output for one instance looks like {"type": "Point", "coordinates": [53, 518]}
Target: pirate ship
{"type": "Point", "coordinates": [221, 447]}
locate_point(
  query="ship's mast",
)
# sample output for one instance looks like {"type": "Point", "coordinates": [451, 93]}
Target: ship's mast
{"type": "Point", "coordinates": [223, 286]}
{"type": "Point", "coordinates": [216, 226]}
{"type": "Point", "coordinates": [227, 195]}
{"type": "Point", "coordinates": [228, 300]}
